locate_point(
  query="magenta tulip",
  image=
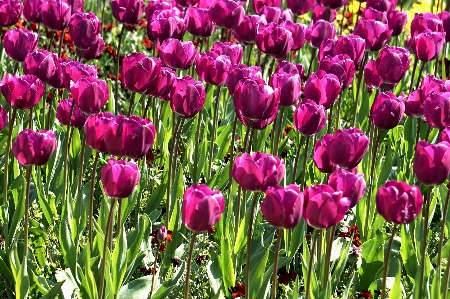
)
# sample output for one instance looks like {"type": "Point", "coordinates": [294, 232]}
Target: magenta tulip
{"type": "Point", "coordinates": [95, 50]}
{"type": "Point", "coordinates": [382, 5]}
{"type": "Point", "coordinates": [445, 18]}
{"type": "Point", "coordinates": [90, 94]}
{"type": "Point", "coordinates": [387, 110]}
{"type": "Point", "coordinates": [226, 13]}
{"type": "Point", "coordinates": [140, 73]}
{"type": "Point", "coordinates": [283, 207]}
{"type": "Point", "coordinates": [57, 79]}
{"type": "Point", "coordinates": [187, 97]}
{"type": "Point", "coordinates": [260, 124]}
{"type": "Point", "coordinates": [84, 29]}
{"type": "Point", "coordinates": [32, 10]}
{"type": "Point", "coordinates": [119, 178]}
{"type": "Point", "coordinates": [352, 45]}
{"type": "Point", "coordinates": [300, 7]}
{"type": "Point", "coordinates": [392, 64]}
{"type": "Point", "coordinates": [74, 71]}
{"type": "Point", "coordinates": [127, 11]}
{"type": "Point", "coordinates": [245, 33]}
{"type": "Point", "coordinates": [371, 76]}
{"type": "Point", "coordinates": [154, 5]}
{"type": "Point", "coordinates": [428, 45]}
{"type": "Point", "coordinates": [347, 147]}
{"type": "Point", "coordinates": [232, 50]}
{"type": "Point", "coordinates": [432, 162]}
{"type": "Point", "coordinates": [436, 109]}
{"type": "Point", "coordinates": [177, 54]}
{"type": "Point", "coordinates": [18, 43]}
{"type": "Point", "coordinates": [95, 128]}
{"type": "Point", "coordinates": [274, 40]}
{"type": "Point", "coordinates": [309, 117]}
{"type": "Point", "coordinates": [166, 78]}
{"type": "Point", "coordinates": [376, 15]}
{"type": "Point", "coordinates": [300, 34]}
{"type": "Point", "coordinates": [424, 21]}
{"type": "Point", "coordinates": [340, 65]}
{"type": "Point", "coordinates": [56, 14]}
{"type": "Point", "coordinates": [40, 63]}
{"type": "Point", "coordinates": [352, 185]}
{"type": "Point", "coordinates": [321, 158]}
{"type": "Point", "coordinates": [212, 67]}
{"type": "Point", "coordinates": [320, 31]}
{"type": "Point", "coordinates": [3, 118]}
{"type": "Point", "coordinates": [22, 92]}
{"type": "Point", "coordinates": [375, 33]}
{"type": "Point", "coordinates": [259, 4]}
{"type": "Point", "coordinates": [289, 86]}
{"type": "Point", "coordinates": [165, 24]}
{"type": "Point", "coordinates": [34, 148]}
{"type": "Point", "coordinates": [10, 12]}
{"type": "Point", "coordinates": [240, 72]}
{"type": "Point", "coordinates": [322, 88]}
{"type": "Point", "coordinates": [198, 22]}
{"type": "Point", "coordinates": [78, 118]}
{"type": "Point", "coordinates": [397, 21]}
{"type": "Point", "coordinates": [321, 13]}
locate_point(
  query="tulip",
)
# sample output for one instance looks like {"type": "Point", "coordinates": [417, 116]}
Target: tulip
{"type": "Point", "coordinates": [3, 118]}
{"type": "Point", "coordinates": [258, 171]}
{"type": "Point", "coordinates": [226, 13]}
{"type": "Point", "coordinates": [398, 202]}
{"type": "Point", "coordinates": [283, 207]}
{"type": "Point", "coordinates": [40, 63]}
{"type": "Point", "coordinates": [331, 4]}
{"type": "Point", "coordinates": [375, 33]}
{"type": "Point", "coordinates": [271, 14]}
{"type": "Point", "coordinates": [10, 11]}
{"type": "Point", "coordinates": [140, 73]}
{"type": "Point", "coordinates": [154, 5]}
{"type": "Point", "coordinates": [119, 178]}
{"type": "Point", "coordinates": [424, 21]}
{"type": "Point", "coordinates": [445, 18]}
{"type": "Point", "coordinates": [341, 66]}
{"type": "Point", "coordinates": [321, 158]}
{"type": "Point", "coordinates": [74, 70]}
{"type": "Point", "coordinates": [198, 22]}
{"type": "Point", "coordinates": [444, 135]}
{"type": "Point", "coordinates": [376, 15]}
{"type": "Point", "coordinates": [392, 64]}
{"type": "Point", "coordinates": [95, 50]}
{"type": "Point", "coordinates": [290, 68]}
{"type": "Point", "coordinates": [320, 31]}
{"type": "Point", "coordinates": [166, 78]}
{"type": "Point", "coordinates": [260, 124]}
{"type": "Point", "coordinates": [309, 117]}
{"type": "Point", "coordinates": [259, 4]}
{"type": "Point", "coordinates": [77, 5]}
{"type": "Point", "coordinates": [432, 162]}
{"type": "Point", "coordinates": [436, 109]}
{"type": "Point", "coordinates": [300, 34]}
{"type": "Point", "coordinates": [371, 76]}
{"type": "Point", "coordinates": [322, 88]}
{"type": "Point", "coordinates": [161, 234]}
{"type": "Point", "coordinates": [321, 13]}
{"type": "Point", "coordinates": [387, 110]}
{"type": "Point", "coordinates": [352, 45]}
{"type": "Point", "coordinates": [212, 67]}
{"type": "Point", "coordinates": [300, 7]}
{"type": "Point", "coordinates": [95, 128]}
{"type": "Point", "coordinates": [240, 72]}
{"type": "Point", "coordinates": [289, 86]}
{"type": "Point", "coordinates": [245, 33]}
{"type": "Point", "coordinates": [186, 3]}
{"type": "Point", "coordinates": [414, 104]}
{"type": "Point", "coordinates": [165, 24]}
{"type": "Point", "coordinates": [324, 207]}
{"type": "Point", "coordinates": [127, 11]}
{"type": "Point", "coordinates": [326, 49]}
{"type": "Point", "coordinates": [233, 51]}
{"type": "Point", "coordinates": [347, 147]}
{"type": "Point", "coordinates": [428, 45]}
{"type": "Point", "coordinates": [22, 92]}
{"type": "Point", "coordinates": [90, 94]}
{"type": "Point", "coordinates": [187, 97]}
{"type": "Point", "coordinates": [34, 148]}
{"type": "Point", "coordinates": [201, 208]}
{"type": "Point", "coordinates": [57, 79]}
{"type": "Point", "coordinates": [176, 54]}
{"type": "Point", "coordinates": [84, 29]}
{"type": "Point", "coordinates": [32, 10]}
{"type": "Point", "coordinates": [56, 14]}
{"type": "Point", "coordinates": [397, 21]}
{"type": "Point", "coordinates": [78, 118]}
{"type": "Point", "coordinates": [382, 5]}
{"type": "Point", "coordinates": [352, 185]}
{"type": "Point", "coordinates": [274, 40]}
{"type": "Point", "coordinates": [18, 43]}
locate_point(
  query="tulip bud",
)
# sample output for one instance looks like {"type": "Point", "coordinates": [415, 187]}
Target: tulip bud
{"type": "Point", "coordinates": [32, 10]}
{"type": "Point", "coordinates": [56, 14]}
{"type": "Point", "coordinates": [341, 66]}
{"type": "Point", "coordinates": [3, 118]}
{"type": "Point", "coordinates": [140, 73]}
{"type": "Point", "coordinates": [127, 11]}
{"type": "Point", "coordinates": [300, 7]}
{"type": "Point", "coordinates": [166, 78]}
{"type": "Point", "coordinates": [212, 67]}
{"type": "Point", "coordinates": [245, 33]}
{"type": "Point", "coordinates": [18, 43]}
{"type": "Point", "coordinates": [187, 97]}
{"type": "Point", "coordinates": [95, 128]}
{"type": "Point", "coordinates": [233, 51]}
{"type": "Point", "coordinates": [63, 112]}
{"type": "Point", "coordinates": [321, 157]}
{"type": "Point", "coordinates": [375, 33]}
{"type": "Point", "coordinates": [10, 11]}
{"type": "Point", "coordinates": [198, 22]}
{"type": "Point", "coordinates": [90, 94]}
{"type": "Point", "coordinates": [84, 29]}
{"type": "Point", "coordinates": [176, 54]}
{"type": "Point", "coordinates": [274, 40]}
{"type": "Point", "coordinates": [428, 45]}
{"type": "Point", "coordinates": [436, 109]}
{"type": "Point", "coordinates": [95, 50]}
{"type": "Point", "coordinates": [347, 147]}
{"type": "Point", "coordinates": [387, 110]}
{"type": "Point", "coordinates": [22, 92]}
{"type": "Point", "coordinates": [414, 104]}
{"type": "Point", "coordinates": [352, 185]}
{"type": "Point", "coordinates": [161, 234]}
{"type": "Point", "coordinates": [397, 21]}
{"type": "Point", "coordinates": [202, 207]}
{"type": "Point", "coordinates": [165, 24]}
{"type": "Point", "coordinates": [289, 86]}
{"type": "Point", "coordinates": [320, 31]}
{"type": "Point", "coordinates": [240, 72]}
{"type": "Point", "coordinates": [432, 162]}
{"type": "Point", "coordinates": [34, 148]}
{"type": "Point", "coordinates": [226, 13]}
{"type": "Point", "coordinates": [119, 178]}
{"type": "Point", "coordinates": [392, 64]}
{"type": "Point", "coordinates": [283, 207]}
{"type": "Point", "coordinates": [309, 118]}
{"type": "Point", "coordinates": [40, 63]}
{"type": "Point", "coordinates": [322, 88]}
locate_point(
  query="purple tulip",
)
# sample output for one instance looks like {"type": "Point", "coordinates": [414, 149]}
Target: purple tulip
{"type": "Point", "coordinates": [165, 24]}
{"type": "Point", "coordinates": [376, 15]}
{"type": "Point", "coordinates": [56, 14]}
{"type": "Point", "coordinates": [57, 79]}
{"type": "Point", "coordinates": [233, 51]}
{"type": "Point", "coordinates": [77, 5]}
{"type": "Point", "coordinates": [436, 109]}
{"type": "Point", "coordinates": [259, 4]}
{"type": "Point", "coordinates": [32, 10]}
{"type": "Point", "coordinates": [3, 118]}
{"type": "Point", "coordinates": [320, 31]}
{"type": "Point", "coordinates": [340, 65]}
{"type": "Point", "coordinates": [154, 5]}
{"type": "Point", "coordinates": [347, 147]}
{"type": "Point", "coordinates": [95, 50]}
{"type": "Point", "coordinates": [90, 94]}
{"type": "Point", "coordinates": [414, 104]}
{"type": "Point", "coordinates": [240, 72]}
{"type": "Point", "coordinates": [300, 7]}
{"type": "Point", "coordinates": [177, 54]}
{"type": "Point", "coordinates": [84, 29]}
{"type": "Point", "coordinates": [289, 86]}
{"type": "Point", "coordinates": [18, 43]}
{"type": "Point", "coordinates": [186, 3]}
{"type": "Point", "coordinates": [352, 45]}
{"type": "Point", "coordinates": [95, 128]}
{"type": "Point", "coordinates": [260, 124]}
{"type": "Point", "coordinates": [445, 18]}
{"type": "Point", "coordinates": [424, 21]}
{"type": "Point", "coordinates": [331, 4]}
{"type": "Point", "coordinates": [397, 21]}
{"type": "Point", "coordinates": [245, 33]}
{"type": "Point", "coordinates": [78, 118]}
{"type": "Point", "coordinates": [274, 40]}
{"type": "Point", "coordinates": [34, 148]}
{"type": "Point", "coordinates": [387, 110]}
{"type": "Point", "coordinates": [212, 67]}
{"type": "Point", "coordinates": [321, 157]}
{"type": "Point", "coordinates": [309, 117]}
{"type": "Point", "coordinates": [258, 171]}
{"type": "Point", "coordinates": [326, 49]}
{"type": "Point", "coordinates": [201, 208]}
{"type": "Point", "coordinates": [392, 64]}
{"type": "Point", "coordinates": [432, 162]}
{"type": "Point", "coordinates": [166, 78]}
{"type": "Point", "coordinates": [187, 97]}
{"type": "Point", "coordinates": [428, 45]}
{"type": "Point", "coordinates": [140, 73]}
{"type": "Point", "coordinates": [371, 76]}
{"type": "Point", "coordinates": [375, 33]}
{"type": "Point", "coordinates": [323, 207]}
{"type": "Point", "coordinates": [272, 14]}
{"type": "Point", "coordinates": [398, 202]}
{"type": "Point", "coordinates": [40, 63]}
{"type": "Point", "coordinates": [300, 34]}
{"type": "Point", "coordinates": [352, 185]}
{"type": "Point", "coordinates": [444, 135]}
{"type": "Point", "coordinates": [10, 11]}
{"type": "Point", "coordinates": [226, 13]}
{"type": "Point", "coordinates": [290, 68]}
{"type": "Point", "coordinates": [283, 207]}
{"type": "Point", "coordinates": [22, 92]}
{"type": "Point", "coordinates": [198, 22]}
{"type": "Point", "coordinates": [127, 11]}
{"type": "Point", "coordinates": [382, 5]}
{"type": "Point", "coordinates": [74, 70]}
{"type": "Point", "coordinates": [322, 88]}
{"type": "Point", "coordinates": [119, 178]}
{"type": "Point", "coordinates": [321, 13]}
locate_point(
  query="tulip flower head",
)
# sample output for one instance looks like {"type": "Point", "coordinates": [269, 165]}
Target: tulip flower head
{"type": "Point", "coordinates": [347, 147]}
{"type": "Point", "coordinates": [10, 12]}
{"type": "Point", "coordinates": [22, 92]}
{"type": "Point", "coordinates": [177, 54]}
{"type": "Point", "coordinates": [56, 14]}
{"type": "Point", "coordinates": [187, 96]}
{"type": "Point", "coordinates": [226, 13]}
{"type": "Point", "coordinates": [274, 40]}
{"type": "Point", "coordinates": [309, 117]}
{"type": "Point", "coordinates": [289, 86]}
{"type": "Point", "coordinates": [34, 148]}
{"type": "Point", "coordinates": [322, 88]}
{"type": "Point", "coordinates": [432, 162]}
{"type": "Point", "coordinates": [40, 63]}
{"type": "Point", "coordinates": [320, 31]}
{"type": "Point", "coordinates": [127, 11]}
{"type": "Point", "coordinates": [84, 29]}
{"type": "Point", "coordinates": [95, 128]}
{"type": "Point", "coordinates": [212, 67]}
{"type": "Point", "coordinates": [90, 94]}
{"type": "Point", "coordinates": [119, 178]}
{"type": "Point", "coordinates": [245, 33]}
{"type": "Point", "coordinates": [300, 7]}
{"type": "Point", "coordinates": [18, 43]}
{"type": "Point", "coordinates": [283, 207]}
{"type": "Point", "coordinates": [140, 73]}
{"type": "Point", "coordinates": [387, 110]}
{"type": "Point", "coordinates": [352, 185]}
{"type": "Point", "coordinates": [78, 118]}
{"type": "Point", "coordinates": [321, 158]}
{"type": "Point", "coordinates": [3, 118]}
{"type": "Point", "coordinates": [32, 10]}
{"type": "Point", "coordinates": [198, 22]}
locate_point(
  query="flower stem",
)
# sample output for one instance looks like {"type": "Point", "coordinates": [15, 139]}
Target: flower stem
{"type": "Point", "coordinates": [329, 245]}
{"type": "Point", "coordinates": [250, 49]}
{"type": "Point", "coordinates": [358, 86]}
{"type": "Point", "coordinates": [441, 235]}
{"type": "Point", "coordinates": [80, 176]}
{"type": "Point", "coordinates": [419, 121]}
{"type": "Point", "coordinates": [310, 264]}
{"type": "Point", "coordinates": [196, 144]}
{"type": "Point", "coordinates": [116, 86]}
{"type": "Point", "coordinates": [12, 119]}
{"type": "Point", "coordinates": [297, 157]}
{"type": "Point", "coordinates": [105, 247]}
{"type": "Point", "coordinates": [338, 117]}
{"type": "Point", "coordinates": [249, 241]}
{"type": "Point", "coordinates": [386, 261]}
{"type": "Point", "coordinates": [276, 140]}
{"type": "Point", "coordinates": [119, 217]}
{"type": "Point", "coordinates": [27, 207]}
{"type": "Point", "coordinates": [416, 60]}
{"type": "Point", "coordinates": [275, 264]}
{"type": "Point", "coordinates": [61, 42]}
{"type": "Point", "coordinates": [213, 132]}
{"type": "Point", "coordinates": [154, 271]}
{"type": "Point", "coordinates": [311, 61]}
{"type": "Point", "coordinates": [422, 65]}
{"type": "Point", "coordinates": [66, 154]}
{"type": "Point", "coordinates": [424, 239]}
{"type": "Point", "coordinates": [305, 156]}
{"type": "Point", "coordinates": [188, 268]}
{"type": "Point", "coordinates": [91, 199]}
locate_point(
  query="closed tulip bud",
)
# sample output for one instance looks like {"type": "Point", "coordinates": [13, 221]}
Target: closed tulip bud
{"type": "Point", "coordinates": [375, 33]}
{"type": "Point", "coordinates": [321, 13]}
{"type": "Point", "coordinates": [444, 135]}
{"type": "Point", "coordinates": [352, 45]}
{"type": "Point", "coordinates": [239, 72]}
{"type": "Point", "coordinates": [10, 12]}
{"type": "Point", "coordinates": [233, 51]}
{"type": "Point", "coordinates": [387, 110]}
{"type": "Point", "coordinates": [424, 21]}
{"type": "Point", "coordinates": [119, 178]}
{"type": "Point", "coordinates": [392, 64]}
{"type": "Point", "coordinates": [95, 50]}
{"type": "Point", "coordinates": [127, 11]}
{"type": "Point", "coordinates": [212, 67]}
{"type": "Point", "coordinates": [56, 14]}
{"type": "Point", "coordinates": [290, 68]}
{"type": "Point", "coordinates": [326, 49]}
{"type": "Point", "coordinates": [187, 97]}
{"type": "Point", "coordinates": [84, 29]}
{"type": "Point", "coordinates": [32, 10]}
{"type": "Point", "coordinates": [271, 14]}
{"type": "Point", "coordinates": [274, 40]}
{"type": "Point", "coordinates": [376, 15]}
{"type": "Point", "coordinates": [186, 3]}
{"type": "Point", "coordinates": [322, 88]}
{"type": "Point", "coordinates": [300, 34]}
{"type": "Point", "coordinates": [321, 157]}
{"type": "Point", "coordinates": [154, 5]}
{"type": "Point", "coordinates": [18, 43]}
{"type": "Point", "coordinates": [352, 185]}
{"type": "Point", "coordinates": [259, 4]}
{"type": "Point", "coordinates": [445, 18]}
{"type": "Point", "coordinates": [398, 202]}
{"type": "Point", "coordinates": [436, 109]}
{"type": "Point", "coordinates": [198, 22]}
{"type": "Point", "coordinates": [165, 24]}
{"type": "Point", "coordinates": [226, 13]}
{"type": "Point", "coordinates": [3, 118]}
{"type": "Point", "coordinates": [320, 31]}
{"type": "Point", "coordinates": [414, 104]}
{"type": "Point", "coordinates": [40, 63]}
{"type": "Point", "coordinates": [260, 124]}
{"type": "Point", "coordinates": [245, 33]}
{"type": "Point", "coordinates": [78, 118]}
{"type": "Point", "coordinates": [161, 234]}
{"type": "Point", "coordinates": [371, 76]}
{"type": "Point", "coordinates": [74, 71]}
{"type": "Point", "coordinates": [331, 4]}
{"type": "Point", "coordinates": [324, 207]}
{"type": "Point", "coordinates": [201, 208]}
{"type": "Point", "coordinates": [258, 171]}
{"type": "Point", "coordinates": [77, 5]}
{"type": "Point", "coordinates": [129, 136]}
{"type": "Point", "coordinates": [382, 5]}
{"type": "Point", "coordinates": [283, 207]}
{"type": "Point", "coordinates": [22, 92]}
{"type": "Point", "coordinates": [300, 7]}
{"type": "Point", "coordinates": [341, 66]}
{"type": "Point", "coordinates": [140, 73]}
{"type": "Point", "coordinates": [254, 99]}
{"type": "Point", "coordinates": [90, 94]}
{"type": "Point", "coordinates": [309, 118]}
{"type": "Point", "coordinates": [429, 45]}
{"type": "Point", "coordinates": [57, 79]}
{"type": "Point", "coordinates": [348, 147]}
{"type": "Point", "coordinates": [95, 128]}
{"type": "Point", "coordinates": [432, 162]}
{"type": "Point", "coordinates": [34, 148]}
{"type": "Point", "coordinates": [289, 86]}
{"type": "Point", "coordinates": [166, 78]}
{"type": "Point", "coordinates": [397, 21]}
{"type": "Point", "coordinates": [177, 54]}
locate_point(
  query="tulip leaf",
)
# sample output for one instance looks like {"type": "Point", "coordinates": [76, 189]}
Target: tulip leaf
{"type": "Point", "coordinates": [214, 276]}
{"type": "Point", "coordinates": [119, 258]}
{"type": "Point", "coordinates": [19, 193]}
{"type": "Point", "coordinates": [53, 293]}
{"type": "Point", "coordinates": [241, 235]}
{"type": "Point", "coordinates": [257, 273]}
{"type": "Point", "coordinates": [387, 166]}
{"type": "Point", "coordinates": [22, 282]}
{"type": "Point", "coordinates": [226, 263]}
{"type": "Point", "coordinates": [372, 261]}
{"type": "Point", "coordinates": [223, 140]}
{"type": "Point", "coordinates": [297, 236]}
{"type": "Point", "coordinates": [408, 253]}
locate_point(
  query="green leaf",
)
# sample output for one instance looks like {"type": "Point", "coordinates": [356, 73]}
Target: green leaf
{"type": "Point", "coordinates": [54, 291]}
{"type": "Point", "coordinates": [23, 282]}
{"type": "Point", "coordinates": [372, 261]}
{"type": "Point", "coordinates": [119, 258]}
{"type": "Point", "coordinates": [226, 263]}
{"type": "Point", "coordinates": [223, 140]}
{"type": "Point", "coordinates": [214, 276]}
{"type": "Point", "coordinates": [297, 236]}
{"type": "Point", "coordinates": [257, 274]}
{"type": "Point", "coordinates": [241, 236]}
{"type": "Point", "coordinates": [407, 253]}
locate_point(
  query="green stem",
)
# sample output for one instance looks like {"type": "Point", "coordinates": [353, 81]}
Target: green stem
{"type": "Point", "coordinates": [424, 239]}
{"type": "Point", "coordinates": [275, 264]}
{"type": "Point", "coordinates": [311, 258]}
{"type": "Point", "coordinates": [338, 118]}
{"type": "Point", "coordinates": [214, 128]}
{"type": "Point", "coordinates": [276, 140]}
{"type": "Point", "coordinates": [130, 108]}
{"type": "Point", "coordinates": [188, 268]}
{"type": "Point", "coordinates": [27, 207]}
{"type": "Point", "coordinates": [419, 122]}
{"type": "Point", "coordinates": [91, 199]}
{"type": "Point", "coordinates": [296, 161]}
{"type": "Point", "coordinates": [441, 235]}
{"type": "Point", "coordinates": [358, 86]}
{"type": "Point", "coordinates": [66, 154]}
{"type": "Point", "coordinates": [52, 36]}
{"type": "Point", "coordinates": [154, 270]}
{"type": "Point", "coordinates": [61, 42]}
{"type": "Point", "coordinates": [30, 120]}
{"type": "Point", "coordinates": [250, 49]}
{"type": "Point", "coordinates": [119, 217]}
{"type": "Point", "coordinates": [247, 135]}
{"type": "Point", "coordinates": [416, 60]}
{"type": "Point", "coordinates": [330, 119]}
{"type": "Point", "coordinates": [329, 245]}
{"type": "Point", "coordinates": [105, 247]}
{"type": "Point", "coordinates": [305, 156]}
{"type": "Point", "coordinates": [249, 242]}
{"type": "Point", "coordinates": [311, 61]}
{"type": "Point", "coordinates": [386, 261]}
{"type": "Point", "coordinates": [12, 119]}
{"type": "Point", "coordinates": [80, 176]}
{"type": "Point", "coordinates": [116, 86]}
{"type": "Point", "coordinates": [196, 144]}
{"type": "Point", "coordinates": [422, 66]}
